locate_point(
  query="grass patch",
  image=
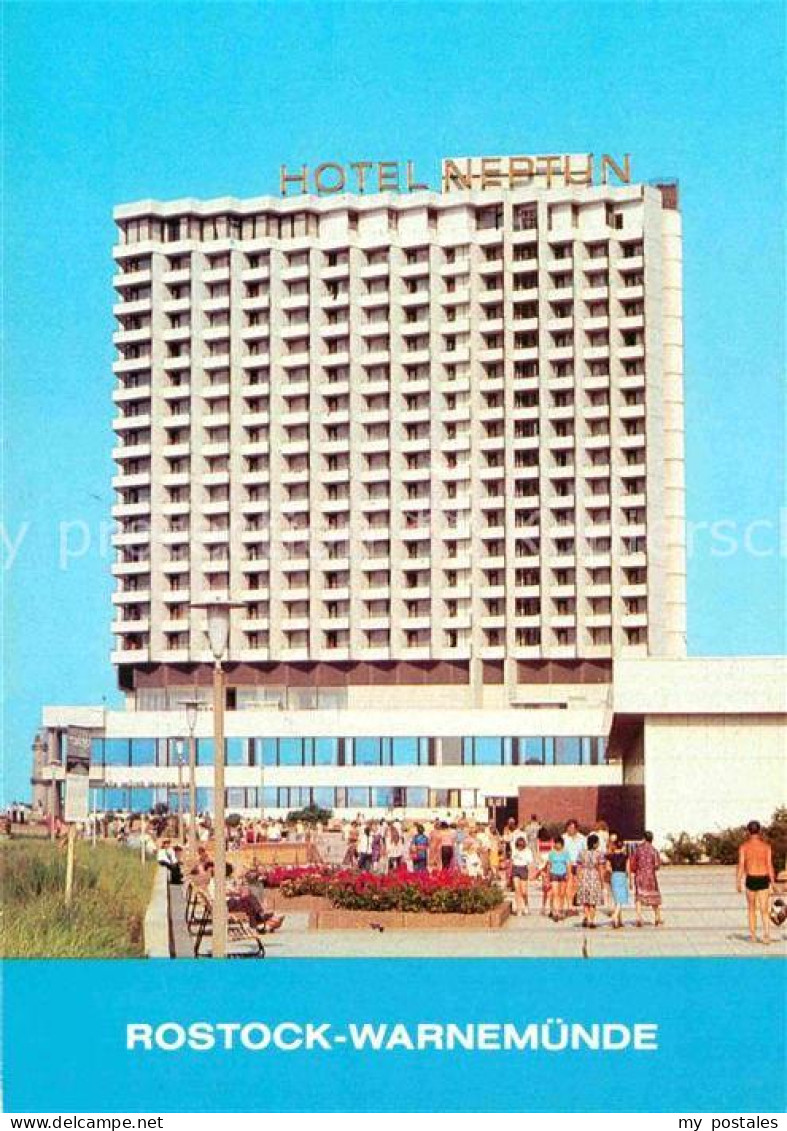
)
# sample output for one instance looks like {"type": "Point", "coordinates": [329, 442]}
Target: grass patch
{"type": "Point", "coordinates": [111, 894]}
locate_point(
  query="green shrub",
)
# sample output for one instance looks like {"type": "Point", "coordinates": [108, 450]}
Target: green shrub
{"type": "Point", "coordinates": [722, 847]}
{"type": "Point", "coordinates": [776, 833]}
{"type": "Point", "coordinates": [684, 849]}
{"type": "Point", "coordinates": [310, 815]}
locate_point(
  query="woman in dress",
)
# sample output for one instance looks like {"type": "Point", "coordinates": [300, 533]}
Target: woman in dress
{"type": "Point", "coordinates": [435, 841]}
{"type": "Point", "coordinates": [590, 890]}
{"type": "Point", "coordinates": [447, 846]}
{"type": "Point", "coordinates": [618, 861]}
{"type": "Point", "coordinates": [645, 863]}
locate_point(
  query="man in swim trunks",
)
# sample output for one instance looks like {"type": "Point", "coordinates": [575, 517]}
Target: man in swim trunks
{"type": "Point", "coordinates": [755, 869]}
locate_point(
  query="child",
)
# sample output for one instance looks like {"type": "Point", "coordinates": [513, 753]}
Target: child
{"type": "Point", "coordinates": [558, 861]}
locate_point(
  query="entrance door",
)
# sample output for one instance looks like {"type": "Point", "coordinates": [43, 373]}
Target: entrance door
{"type": "Point", "coordinates": [501, 810]}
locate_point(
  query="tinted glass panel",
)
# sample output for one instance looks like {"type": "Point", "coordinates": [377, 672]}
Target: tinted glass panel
{"type": "Point", "coordinates": [116, 751]}
{"type": "Point", "coordinates": [488, 751]}
{"type": "Point", "coordinates": [141, 800]}
{"type": "Point", "coordinates": [204, 800]}
{"type": "Point", "coordinates": [236, 752]}
{"type": "Point", "coordinates": [367, 751]}
{"type": "Point", "coordinates": [405, 751]}
{"type": "Point", "coordinates": [143, 751]}
{"type": "Point", "coordinates": [531, 751]}
{"type": "Point", "coordinates": [326, 751]}
{"type": "Point", "coordinates": [567, 751]}
{"type": "Point", "coordinates": [290, 752]}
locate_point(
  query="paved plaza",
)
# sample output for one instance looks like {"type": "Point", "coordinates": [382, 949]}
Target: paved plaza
{"type": "Point", "coordinates": [704, 918]}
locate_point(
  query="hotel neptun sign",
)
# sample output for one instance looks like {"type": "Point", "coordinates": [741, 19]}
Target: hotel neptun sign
{"type": "Point", "coordinates": [457, 174]}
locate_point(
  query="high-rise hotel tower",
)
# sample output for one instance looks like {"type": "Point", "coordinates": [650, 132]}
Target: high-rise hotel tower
{"type": "Point", "coordinates": [431, 442]}
{"type": "Point", "coordinates": [434, 437]}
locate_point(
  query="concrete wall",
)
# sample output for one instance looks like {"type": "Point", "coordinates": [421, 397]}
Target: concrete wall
{"type": "Point", "coordinates": [704, 772]}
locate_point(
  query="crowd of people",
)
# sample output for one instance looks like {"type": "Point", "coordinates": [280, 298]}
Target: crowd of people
{"type": "Point", "coordinates": [574, 872]}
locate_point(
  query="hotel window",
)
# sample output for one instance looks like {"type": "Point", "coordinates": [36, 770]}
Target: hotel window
{"type": "Point", "coordinates": [488, 218]}
{"type": "Point", "coordinates": [525, 217]}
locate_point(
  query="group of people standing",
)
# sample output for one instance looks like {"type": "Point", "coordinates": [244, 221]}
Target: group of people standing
{"type": "Point", "coordinates": [575, 870]}
{"type": "Point", "coordinates": [584, 872]}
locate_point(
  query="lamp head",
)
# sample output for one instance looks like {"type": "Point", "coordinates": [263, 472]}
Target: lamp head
{"type": "Point", "coordinates": [219, 630]}
{"type": "Point", "coordinates": [218, 625]}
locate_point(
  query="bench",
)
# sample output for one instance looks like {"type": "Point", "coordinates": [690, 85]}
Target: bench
{"type": "Point", "coordinates": [199, 922]}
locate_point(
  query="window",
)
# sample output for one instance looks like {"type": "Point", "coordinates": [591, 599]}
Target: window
{"type": "Point", "coordinates": [237, 752]}
{"type": "Point", "coordinates": [116, 752]}
{"type": "Point", "coordinates": [141, 800]}
{"type": "Point", "coordinates": [290, 752]}
{"type": "Point", "coordinates": [366, 751]}
{"type": "Point", "coordinates": [326, 752]}
{"type": "Point", "coordinates": [357, 797]}
{"type": "Point", "coordinates": [568, 752]}
{"type": "Point", "coordinates": [405, 751]}
{"type": "Point", "coordinates": [383, 797]}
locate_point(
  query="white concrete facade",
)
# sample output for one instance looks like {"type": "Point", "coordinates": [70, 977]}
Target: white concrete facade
{"type": "Point", "coordinates": [418, 427]}
{"type": "Point", "coordinates": [712, 752]}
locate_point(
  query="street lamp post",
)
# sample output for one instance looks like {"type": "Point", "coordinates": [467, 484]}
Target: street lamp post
{"type": "Point", "coordinates": [180, 793]}
{"type": "Point", "coordinates": [218, 638]}
{"type": "Point", "coordinates": [192, 707]}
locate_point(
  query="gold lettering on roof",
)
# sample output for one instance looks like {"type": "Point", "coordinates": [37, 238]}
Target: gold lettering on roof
{"type": "Point", "coordinates": [481, 174]}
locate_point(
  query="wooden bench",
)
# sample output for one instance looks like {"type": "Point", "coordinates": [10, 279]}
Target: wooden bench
{"type": "Point", "coordinates": [199, 921]}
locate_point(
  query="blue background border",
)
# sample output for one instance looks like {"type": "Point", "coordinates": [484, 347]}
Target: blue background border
{"type": "Point", "coordinates": [64, 1030]}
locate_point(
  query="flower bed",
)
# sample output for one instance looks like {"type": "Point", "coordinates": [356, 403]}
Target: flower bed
{"type": "Point", "coordinates": [432, 892]}
{"type": "Point", "coordinates": [441, 893]}
{"type": "Point", "coordinates": [309, 880]}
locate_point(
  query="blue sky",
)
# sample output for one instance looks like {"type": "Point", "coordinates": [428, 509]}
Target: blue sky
{"type": "Point", "coordinates": [112, 102]}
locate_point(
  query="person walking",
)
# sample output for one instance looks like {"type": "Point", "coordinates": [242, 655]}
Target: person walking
{"type": "Point", "coordinates": [522, 860]}
{"type": "Point", "coordinates": [447, 846]}
{"type": "Point", "coordinates": [419, 849]}
{"type": "Point", "coordinates": [618, 865]}
{"type": "Point", "coordinates": [574, 843]}
{"type": "Point", "coordinates": [532, 830]}
{"type": "Point", "coordinates": [365, 849]}
{"type": "Point", "coordinates": [755, 871]}
{"type": "Point", "coordinates": [435, 840]}
{"type": "Point", "coordinates": [644, 865]}
{"type": "Point", "coordinates": [394, 847]}
{"type": "Point", "coordinates": [558, 863]}
{"type": "Point", "coordinates": [590, 885]}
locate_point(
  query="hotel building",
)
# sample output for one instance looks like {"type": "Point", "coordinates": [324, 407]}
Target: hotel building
{"type": "Point", "coordinates": [432, 444]}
